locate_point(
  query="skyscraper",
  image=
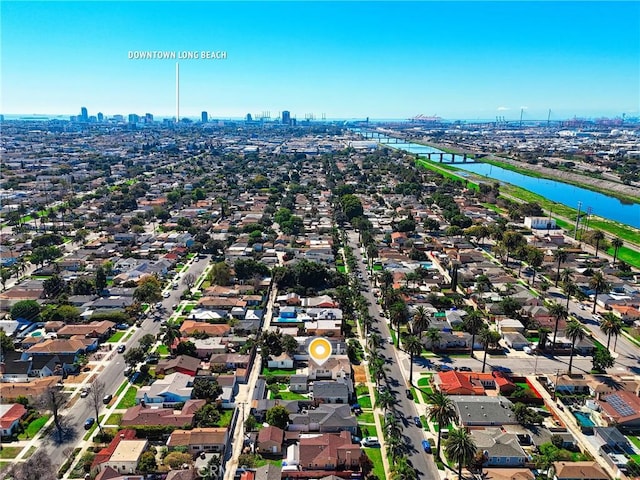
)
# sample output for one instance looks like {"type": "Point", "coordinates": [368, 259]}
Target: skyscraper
{"type": "Point", "coordinates": [84, 115]}
{"type": "Point", "coordinates": [100, 117]}
{"type": "Point", "coordinates": [205, 117]}
{"type": "Point", "coordinates": [286, 117]}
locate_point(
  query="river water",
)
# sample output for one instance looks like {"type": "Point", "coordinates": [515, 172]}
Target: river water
{"type": "Point", "coordinates": [563, 193]}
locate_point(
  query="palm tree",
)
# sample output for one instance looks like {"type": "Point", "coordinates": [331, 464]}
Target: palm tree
{"type": "Point", "coordinates": [402, 469]}
{"type": "Point", "coordinates": [616, 243]}
{"type": "Point", "coordinates": [460, 448]}
{"type": "Point", "coordinates": [396, 448]}
{"type": "Point", "coordinates": [558, 312]}
{"type": "Point", "coordinates": [374, 342]}
{"type": "Point", "coordinates": [597, 236]}
{"type": "Point", "coordinates": [561, 256]}
{"type": "Point", "coordinates": [535, 257]}
{"type": "Point", "coordinates": [611, 325]}
{"type": "Point", "coordinates": [441, 411]}
{"type": "Point", "coordinates": [570, 289]}
{"type": "Point", "coordinates": [385, 278]}
{"type": "Point", "coordinates": [410, 277]}
{"type": "Point", "coordinates": [385, 400]}
{"type": "Point", "coordinates": [413, 346]}
{"type": "Point", "coordinates": [543, 333]}
{"type": "Point", "coordinates": [391, 426]}
{"type": "Point", "coordinates": [575, 332]}
{"type": "Point", "coordinates": [398, 315]}
{"type": "Point", "coordinates": [376, 368]}
{"type": "Point", "coordinates": [488, 338]}
{"type": "Point", "coordinates": [473, 322]}
{"type": "Point", "coordinates": [599, 284]}
{"type": "Point", "coordinates": [171, 334]}
{"type": "Point", "coordinates": [433, 334]}
{"type": "Point", "coordinates": [566, 275]}
{"type": "Point", "coordinates": [420, 320]}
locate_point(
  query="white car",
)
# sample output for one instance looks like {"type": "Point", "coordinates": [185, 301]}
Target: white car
{"type": "Point", "coordinates": [390, 340]}
{"type": "Point", "coordinates": [165, 294]}
{"type": "Point", "coordinates": [370, 442]}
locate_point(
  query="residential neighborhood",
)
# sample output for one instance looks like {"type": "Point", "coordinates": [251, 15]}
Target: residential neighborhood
{"type": "Point", "coordinates": [162, 285]}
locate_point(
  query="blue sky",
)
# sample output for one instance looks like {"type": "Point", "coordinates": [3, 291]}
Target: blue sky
{"type": "Point", "coordinates": [348, 60]}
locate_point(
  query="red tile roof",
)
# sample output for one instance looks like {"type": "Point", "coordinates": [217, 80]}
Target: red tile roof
{"type": "Point", "coordinates": [16, 412]}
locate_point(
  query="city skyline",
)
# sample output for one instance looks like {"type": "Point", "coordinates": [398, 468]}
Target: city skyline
{"type": "Point", "coordinates": [346, 60]}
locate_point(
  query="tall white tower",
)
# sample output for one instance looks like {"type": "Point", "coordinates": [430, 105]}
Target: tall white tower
{"type": "Point", "coordinates": [177, 92]}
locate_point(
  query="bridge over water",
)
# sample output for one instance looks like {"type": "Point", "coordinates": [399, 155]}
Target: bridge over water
{"type": "Point", "coordinates": [460, 156]}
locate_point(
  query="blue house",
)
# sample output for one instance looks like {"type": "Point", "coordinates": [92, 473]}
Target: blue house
{"type": "Point", "coordinates": [288, 312]}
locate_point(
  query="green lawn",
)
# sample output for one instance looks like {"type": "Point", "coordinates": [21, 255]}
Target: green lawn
{"type": "Point", "coordinates": [362, 391]}
{"type": "Point", "coordinates": [341, 269]}
{"type": "Point", "coordinates": [287, 395]}
{"type": "Point", "coordinates": [634, 440]}
{"type": "Point", "coordinates": [116, 337]}
{"type": "Point", "coordinates": [129, 399]}
{"type": "Point", "coordinates": [364, 401]}
{"type": "Point", "coordinates": [162, 350]}
{"type": "Point", "coordinates": [33, 428]}
{"type": "Point", "coordinates": [122, 386]}
{"type": "Point", "coordinates": [375, 455]}
{"type": "Point", "coordinates": [225, 418]}
{"type": "Point", "coordinates": [366, 417]}
{"type": "Point", "coordinates": [278, 371]}
{"type": "Point", "coordinates": [129, 335]}
{"type": "Point", "coordinates": [8, 453]}
{"type": "Point", "coordinates": [114, 419]}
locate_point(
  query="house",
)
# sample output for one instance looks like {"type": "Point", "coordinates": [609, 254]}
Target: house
{"type": "Point", "coordinates": [283, 360]}
{"type": "Point", "coordinates": [299, 383]}
{"type": "Point", "coordinates": [588, 470]}
{"type": "Point", "coordinates": [100, 330]}
{"type": "Point", "coordinates": [10, 416]}
{"type": "Point", "coordinates": [125, 456]}
{"type": "Point", "coordinates": [327, 418]}
{"type": "Point", "coordinates": [621, 409]}
{"type": "Point", "coordinates": [516, 340]}
{"type": "Point", "coordinates": [456, 383]}
{"type": "Point", "coordinates": [502, 449]}
{"type": "Point", "coordinates": [328, 452]}
{"type": "Point", "coordinates": [483, 411]}
{"type": "Point", "coordinates": [165, 417]}
{"type": "Point", "coordinates": [508, 474]}
{"type": "Point", "coordinates": [330, 391]}
{"type": "Point", "coordinates": [10, 392]}
{"type": "Point", "coordinates": [198, 440]}
{"type": "Point", "coordinates": [174, 388]}
{"type": "Point", "coordinates": [612, 438]}
{"type": "Point", "coordinates": [189, 327]}
{"type": "Point", "coordinates": [74, 346]}
{"type": "Point", "coordinates": [270, 440]}
{"type": "Point", "coordinates": [510, 325]}
{"type": "Point", "coordinates": [182, 364]}
{"type": "Point", "coordinates": [229, 361]}
{"type": "Point", "coordinates": [109, 473]}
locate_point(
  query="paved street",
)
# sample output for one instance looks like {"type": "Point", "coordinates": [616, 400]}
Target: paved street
{"type": "Point", "coordinates": [406, 408]}
{"type": "Point", "coordinates": [112, 376]}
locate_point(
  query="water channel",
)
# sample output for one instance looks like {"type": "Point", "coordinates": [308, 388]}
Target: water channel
{"type": "Point", "coordinates": [602, 205]}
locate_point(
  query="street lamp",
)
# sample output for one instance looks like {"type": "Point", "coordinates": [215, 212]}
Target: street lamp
{"type": "Point", "coordinates": [555, 387]}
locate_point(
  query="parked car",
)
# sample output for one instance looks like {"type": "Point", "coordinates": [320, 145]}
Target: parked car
{"type": "Point", "coordinates": [465, 369]}
{"type": "Point", "coordinates": [390, 340]}
{"type": "Point", "coordinates": [121, 348]}
{"type": "Point", "coordinates": [165, 294]}
{"type": "Point", "coordinates": [409, 394]}
{"type": "Point", "coordinates": [122, 326]}
{"type": "Point", "coordinates": [417, 421]}
{"type": "Point", "coordinates": [107, 399]}
{"type": "Point", "coordinates": [370, 442]}
{"type": "Point", "coordinates": [88, 423]}
{"type": "Point", "coordinates": [426, 446]}
{"type": "Point", "coordinates": [85, 392]}
{"type": "Point", "coordinates": [444, 368]}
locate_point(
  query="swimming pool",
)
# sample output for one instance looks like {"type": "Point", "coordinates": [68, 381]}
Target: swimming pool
{"type": "Point", "coordinates": [584, 419]}
{"type": "Point", "coordinates": [286, 320]}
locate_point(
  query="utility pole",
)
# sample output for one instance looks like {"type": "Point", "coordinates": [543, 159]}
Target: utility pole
{"type": "Point", "coordinates": [575, 233]}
